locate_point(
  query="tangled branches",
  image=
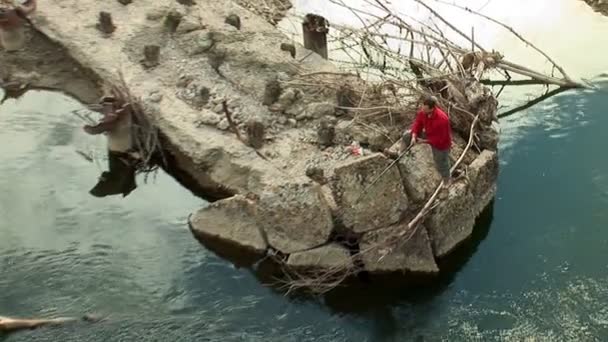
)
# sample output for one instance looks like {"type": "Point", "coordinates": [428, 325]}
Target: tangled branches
{"type": "Point", "coordinates": [388, 46]}
{"type": "Point", "coordinates": [389, 62]}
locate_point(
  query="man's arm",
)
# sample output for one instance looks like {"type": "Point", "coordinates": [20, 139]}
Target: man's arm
{"type": "Point", "coordinates": [416, 128]}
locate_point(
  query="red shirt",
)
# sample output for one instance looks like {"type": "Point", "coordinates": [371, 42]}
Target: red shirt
{"type": "Point", "coordinates": [436, 126]}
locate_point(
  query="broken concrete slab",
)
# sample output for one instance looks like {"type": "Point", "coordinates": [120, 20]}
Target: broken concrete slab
{"type": "Point", "coordinates": [452, 221]}
{"type": "Point", "coordinates": [419, 174]}
{"type": "Point", "coordinates": [381, 205]}
{"type": "Point", "coordinates": [332, 255]}
{"type": "Point", "coordinates": [231, 219]}
{"type": "Point", "coordinates": [217, 153]}
{"type": "Point", "coordinates": [294, 216]}
{"type": "Point", "coordinates": [414, 256]}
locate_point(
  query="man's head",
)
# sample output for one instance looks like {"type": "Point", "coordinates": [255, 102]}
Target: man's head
{"type": "Point", "coordinates": [428, 104]}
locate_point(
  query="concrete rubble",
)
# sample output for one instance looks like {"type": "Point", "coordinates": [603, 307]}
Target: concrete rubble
{"type": "Point", "coordinates": [293, 181]}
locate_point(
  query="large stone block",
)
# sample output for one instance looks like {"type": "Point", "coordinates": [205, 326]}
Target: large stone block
{"type": "Point", "coordinates": [231, 219]}
{"type": "Point", "coordinates": [329, 256]}
{"type": "Point", "coordinates": [483, 173]}
{"type": "Point", "coordinates": [414, 255]}
{"type": "Point", "coordinates": [295, 216]}
{"type": "Point", "coordinates": [419, 174]}
{"type": "Point", "coordinates": [382, 204]}
{"type": "Point", "coordinates": [452, 221]}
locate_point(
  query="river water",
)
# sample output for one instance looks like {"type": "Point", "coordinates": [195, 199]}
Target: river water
{"type": "Point", "coordinates": [535, 271]}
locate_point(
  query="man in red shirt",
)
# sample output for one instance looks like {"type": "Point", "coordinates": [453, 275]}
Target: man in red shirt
{"type": "Point", "coordinates": [432, 126]}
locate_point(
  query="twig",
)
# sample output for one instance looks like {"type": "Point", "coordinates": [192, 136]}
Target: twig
{"type": "Point", "coordinates": [450, 25]}
{"type": "Point", "coordinates": [512, 83]}
{"type": "Point", "coordinates": [233, 127]}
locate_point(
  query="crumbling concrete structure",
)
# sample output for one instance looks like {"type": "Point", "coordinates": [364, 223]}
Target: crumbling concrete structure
{"type": "Point", "coordinates": [288, 181]}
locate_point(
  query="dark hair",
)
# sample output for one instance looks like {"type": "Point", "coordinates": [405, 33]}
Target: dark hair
{"type": "Point", "coordinates": [430, 101]}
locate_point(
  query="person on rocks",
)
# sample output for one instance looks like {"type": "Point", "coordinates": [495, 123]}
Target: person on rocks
{"type": "Point", "coordinates": [13, 15]}
{"type": "Point", "coordinates": [9, 325]}
{"type": "Point", "coordinates": [431, 126]}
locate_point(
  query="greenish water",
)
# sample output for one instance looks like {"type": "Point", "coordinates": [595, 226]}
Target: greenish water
{"type": "Point", "coordinates": [537, 270]}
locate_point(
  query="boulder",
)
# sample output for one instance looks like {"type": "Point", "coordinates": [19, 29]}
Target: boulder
{"type": "Point", "coordinates": [414, 255]}
{"type": "Point", "coordinates": [419, 174]}
{"type": "Point", "coordinates": [382, 204]}
{"type": "Point", "coordinates": [452, 221]}
{"type": "Point", "coordinates": [332, 255]}
{"type": "Point", "coordinates": [295, 216]}
{"type": "Point", "coordinates": [482, 173]}
{"type": "Point", "coordinates": [231, 219]}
